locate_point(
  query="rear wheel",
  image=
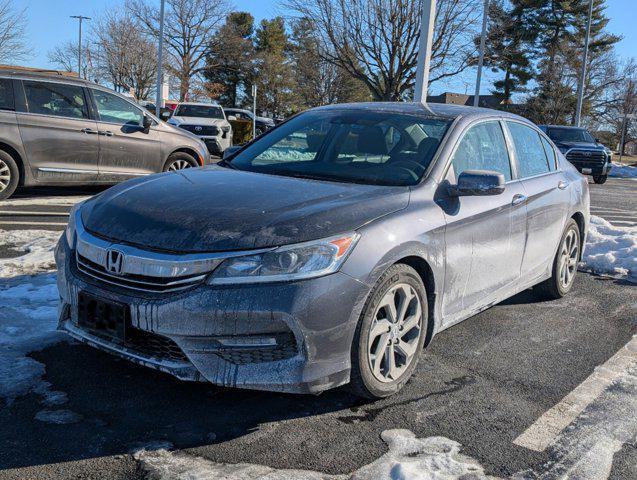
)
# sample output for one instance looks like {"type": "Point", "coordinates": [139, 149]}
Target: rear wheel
{"type": "Point", "coordinates": [9, 175]}
{"type": "Point", "coordinates": [564, 265]}
{"type": "Point", "coordinates": [390, 334]}
{"type": "Point", "coordinates": [179, 161]}
{"type": "Point", "coordinates": [600, 179]}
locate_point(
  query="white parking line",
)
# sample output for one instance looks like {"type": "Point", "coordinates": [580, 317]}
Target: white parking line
{"type": "Point", "coordinates": [11, 213]}
{"type": "Point", "coordinates": [548, 427]}
{"type": "Point", "coordinates": [42, 224]}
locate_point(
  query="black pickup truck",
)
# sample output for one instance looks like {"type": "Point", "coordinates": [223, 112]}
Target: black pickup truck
{"type": "Point", "coordinates": [581, 149]}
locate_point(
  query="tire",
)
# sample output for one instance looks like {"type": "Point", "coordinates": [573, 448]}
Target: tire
{"type": "Point", "coordinates": [600, 179]}
{"type": "Point", "coordinates": [9, 175]}
{"type": "Point", "coordinates": [567, 256]}
{"type": "Point", "coordinates": [179, 161]}
{"type": "Point", "coordinates": [403, 338]}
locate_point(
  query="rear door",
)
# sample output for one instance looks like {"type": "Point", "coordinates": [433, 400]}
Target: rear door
{"type": "Point", "coordinates": [126, 150]}
{"type": "Point", "coordinates": [59, 137]}
{"type": "Point", "coordinates": [548, 198]}
{"type": "Point", "coordinates": [485, 235]}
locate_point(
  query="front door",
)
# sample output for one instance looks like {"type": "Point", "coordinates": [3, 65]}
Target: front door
{"type": "Point", "coordinates": [59, 137]}
{"type": "Point", "coordinates": [484, 235]}
{"type": "Point", "coordinates": [548, 200]}
{"type": "Point", "coordinates": [126, 150]}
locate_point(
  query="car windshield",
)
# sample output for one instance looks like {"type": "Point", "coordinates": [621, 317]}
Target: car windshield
{"type": "Point", "coordinates": [349, 146]}
{"type": "Point", "coordinates": [203, 111]}
{"type": "Point", "coordinates": [570, 135]}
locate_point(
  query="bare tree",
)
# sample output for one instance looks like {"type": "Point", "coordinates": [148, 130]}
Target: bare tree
{"type": "Point", "coordinates": [376, 41]}
{"type": "Point", "coordinates": [124, 55]}
{"type": "Point", "coordinates": [13, 46]}
{"type": "Point", "coordinates": [188, 29]}
{"type": "Point", "coordinates": [64, 57]}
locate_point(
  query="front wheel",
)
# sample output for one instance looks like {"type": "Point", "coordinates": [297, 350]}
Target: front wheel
{"type": "Point", "coordinates": [390, 334]}
{"type": "Point", "coordinates": [564, 264]}
{"type": "Point", "coordinates": [179, 161]}
{"type": "Point", "coordinates": [600, 179]}
{"type": "Point", "coordinates": [9, 175]}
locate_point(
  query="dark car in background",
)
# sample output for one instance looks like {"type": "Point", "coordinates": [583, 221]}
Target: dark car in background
{"type": "Point", "coordinates": [58, 130]}
{"type": "Point", "coordinates": [328, 251]}
{"type": "Point", "coordinates": [583, 150]}
{"type": "Point", "coordinates": [262, 124]}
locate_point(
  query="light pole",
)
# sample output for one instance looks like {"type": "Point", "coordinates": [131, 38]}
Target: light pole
{"type": "Point", "coordinates": [79, 44]}
{"type": "Point", "coordinates": [254, 112]}
{"type": "Point", "coordinates": [160, 51]}
{"type": "Point", "coordinates": [424, 50]}
{"type": "Point", "coordinates": [580, 85]}
{"type": "Point", "coordinates": [483, 35]}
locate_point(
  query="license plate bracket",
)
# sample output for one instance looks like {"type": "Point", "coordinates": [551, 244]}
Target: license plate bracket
{"type": "Point", "coordinates": [102, 317]}
{"type": "Point", "coordinates": [587, 170]}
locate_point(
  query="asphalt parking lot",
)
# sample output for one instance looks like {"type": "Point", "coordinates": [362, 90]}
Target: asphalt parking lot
{"type": "Point", "coordinates": [514, 386]}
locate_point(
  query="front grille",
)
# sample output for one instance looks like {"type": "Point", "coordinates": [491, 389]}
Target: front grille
{"type": "Point", "coordinates": [285, 348]}
{"type": "Point", "coordinates": [137, 282]}
{"type": "Point", "coordinates": [150, 344]}
{"type": "Point", "coordinates": [586, 158]}
{"type": "Point", "coordinates": [207, 130]}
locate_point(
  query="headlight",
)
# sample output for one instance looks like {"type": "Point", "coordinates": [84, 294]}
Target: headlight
{"type": "Point", "coordinates": [70, 227]}
{"type": "Point", "coordinates": [225, 129]}
{"type": "Point", "coordinates": [291, 262]}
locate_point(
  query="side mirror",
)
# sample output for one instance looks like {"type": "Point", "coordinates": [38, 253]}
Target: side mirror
{"type": "Point", "coordinates": [147, 123]}
{"type": "Point", "coordinates": [230, 151]}
{"type": "Point", "coordinates": [232, 118]}
{"type": "Point", "coordinates": [478, 183]}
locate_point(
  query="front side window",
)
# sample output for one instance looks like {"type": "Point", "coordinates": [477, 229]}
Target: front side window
{"type": "Point", "coordinates": [529, 150]}
{"type": "Point", "coordinates": [483, 147]}
{"type": "Point", "coordinates": [114, 109]}
{"type": "Point", "coordinates": [349, 146]}
{"type": "Point", "coordinates": [58, 99]}
{"type": "Point", "coordinates": [201, 111]}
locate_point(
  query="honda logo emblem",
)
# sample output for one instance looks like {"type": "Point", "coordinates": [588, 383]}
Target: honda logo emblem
{"type": "Point", "coordinates": [114, 262]}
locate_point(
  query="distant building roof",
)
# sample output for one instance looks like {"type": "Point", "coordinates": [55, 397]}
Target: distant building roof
{"type": "Point", "coordinates": [487, 101]}
{"type": "Point", "coordinates": [46, 71]}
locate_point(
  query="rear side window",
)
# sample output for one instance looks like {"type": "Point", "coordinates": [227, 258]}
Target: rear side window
{"type": "Point", "coordinates": [6, 94]}
{"type": "Point", "coordinates": [550, 153]}
{"type": "Point", "coordinates": [530, 152]}
{"type": "Point", "coordinates": [483, 148]}
{"type": "Point", "coordinates": [47, 98]}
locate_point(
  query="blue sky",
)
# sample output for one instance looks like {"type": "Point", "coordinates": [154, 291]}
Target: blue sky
{"type": "Point", "coordinates": [49, 24]}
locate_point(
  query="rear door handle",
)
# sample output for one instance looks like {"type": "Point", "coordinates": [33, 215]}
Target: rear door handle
{"type": "Point", "coordinates": [562, 185]}
{"type": "Point", "coordinates": [518, 199]}
{"type": "Point", "coordinates": [106, 133]}
{"type": "Point", "coordinates": [89, 131]}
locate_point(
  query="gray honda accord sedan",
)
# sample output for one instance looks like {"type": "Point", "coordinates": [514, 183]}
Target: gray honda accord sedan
{"type": "Point", "coordinates": [329, 251]}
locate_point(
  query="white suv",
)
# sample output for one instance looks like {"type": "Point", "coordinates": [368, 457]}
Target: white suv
{"type": "Point", "coordinates": [207, 121]}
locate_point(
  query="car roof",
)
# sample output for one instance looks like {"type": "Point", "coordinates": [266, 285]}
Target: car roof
{"type": "Point", "coordinates": [440, 110]}
{"type": "Point", "coordinates": [200, 104]}
{"type": "Point", "coordinates": [44, 75]}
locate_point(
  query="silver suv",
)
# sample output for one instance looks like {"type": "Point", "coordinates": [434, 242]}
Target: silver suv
{"type": "Point", "coordinates": [56, 130]}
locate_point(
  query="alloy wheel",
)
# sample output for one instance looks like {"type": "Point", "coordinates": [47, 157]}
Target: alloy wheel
{"type": "Point", "coordinates": [5, 175]}
{"type": "Point", "coordinates": [395, 332]}
{"type": "Point", "coordinates": [569, 257]}
{"type": "Point", "coordinates": [179, 165]}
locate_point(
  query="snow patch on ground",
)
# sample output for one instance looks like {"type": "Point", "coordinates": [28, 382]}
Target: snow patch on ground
{"type": "Point", "coordinates": [408, 458]}
{"type": "Point", "coordinates": [57, 201]}
{"type": "Point", "coordinates": [623, 171]}
{"type": "Point", "coordinates": [38, 246]}
{"type": "Point", "coordinates": [611, 250]}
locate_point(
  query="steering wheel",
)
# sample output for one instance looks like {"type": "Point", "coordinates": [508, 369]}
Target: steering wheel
{"type": "Point", "coordinates": [415, 168]}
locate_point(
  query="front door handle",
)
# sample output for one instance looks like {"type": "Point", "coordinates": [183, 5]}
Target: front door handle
{"type": "Point", "coordinates": [106, 133]}
{"type": "Point", "coordinates": [89, 131]}
{"type": "Point", "coordinates": [518, 199]}
{"type": "Point", "coordinates": [562, 185]}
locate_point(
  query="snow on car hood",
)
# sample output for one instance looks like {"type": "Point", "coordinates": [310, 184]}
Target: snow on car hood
{"type": "Point", "coordinates": [219, 209]}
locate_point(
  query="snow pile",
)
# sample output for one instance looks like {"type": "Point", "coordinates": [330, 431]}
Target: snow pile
{"type": "Point", "coordinates": [408, 458]}
{"type": "Point", "coordinates": [623, 171]}
{"type": "Point", "coordinates": [37, 245]}
{"type": "Point", "coordinates": [56, 201]}
{"type": "Point", "coordinates": [28, 322]}
{"type": "Point", "coordinates": [611, 250]}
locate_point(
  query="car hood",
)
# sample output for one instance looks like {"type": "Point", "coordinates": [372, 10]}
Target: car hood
{"type": "Point", "coordinates": [582, 145]}
{"type": "Point", "coordinates": [218, 209]}
{"type": "Point", "coordinates": [199, 121]}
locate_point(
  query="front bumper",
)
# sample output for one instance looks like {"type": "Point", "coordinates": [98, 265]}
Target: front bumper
{"type": "Point", "coordinates": [223, 331]}
{"type": "Point", "coordinates": [217, 145]}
